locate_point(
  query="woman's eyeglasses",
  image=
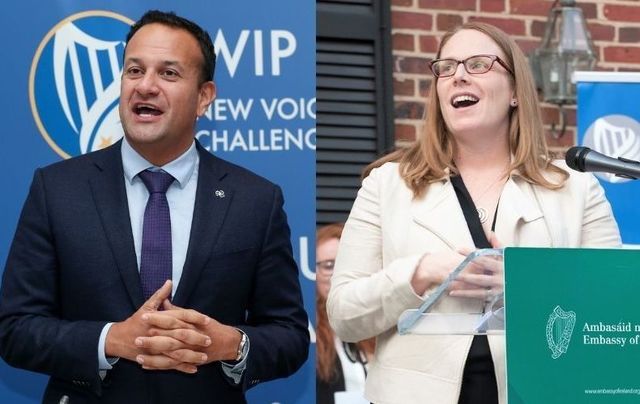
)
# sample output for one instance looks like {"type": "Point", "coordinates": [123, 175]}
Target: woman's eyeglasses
{"type": "Point", "coordinates": [477, 64]}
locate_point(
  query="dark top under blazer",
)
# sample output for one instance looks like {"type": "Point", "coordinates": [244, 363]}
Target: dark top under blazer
{"type": "Point", "coordinates": [72, 268]}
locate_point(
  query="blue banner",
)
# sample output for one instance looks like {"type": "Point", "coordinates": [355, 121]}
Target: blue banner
{"type": "Point", "coordinates": [62, 64]}
{"type": "Point", "coordinates": [609, 122]}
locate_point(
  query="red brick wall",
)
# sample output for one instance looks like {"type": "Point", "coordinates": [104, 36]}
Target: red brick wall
{"type": "Point", "coordinates": [417, 26]}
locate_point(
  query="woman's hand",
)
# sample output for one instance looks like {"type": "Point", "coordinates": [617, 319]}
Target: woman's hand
{"type": "Point", "coordinates": [433, 269]}
{"type": "Point", "coordinates": [483, 278]}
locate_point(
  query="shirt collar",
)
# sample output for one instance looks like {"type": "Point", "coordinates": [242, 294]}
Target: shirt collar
{"type": "Point", "coordinates": [181, 168]}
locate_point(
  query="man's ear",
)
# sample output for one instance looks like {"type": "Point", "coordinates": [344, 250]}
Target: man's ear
{"type": "Point", "coordinates": [206, 96]}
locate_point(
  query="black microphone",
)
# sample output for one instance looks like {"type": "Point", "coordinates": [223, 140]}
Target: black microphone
{"type": "Point", "coordinates": [584, 159]}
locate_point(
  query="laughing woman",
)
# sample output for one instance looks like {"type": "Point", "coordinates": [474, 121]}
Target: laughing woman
{"type": "Point", "coordinates": [479, 176]}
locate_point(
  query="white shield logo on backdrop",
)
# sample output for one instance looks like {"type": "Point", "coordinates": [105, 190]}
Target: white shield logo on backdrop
{"type": "Point", "coordinates": [74, 85]}
{"type": "Point", "coordinates": [615, 136]}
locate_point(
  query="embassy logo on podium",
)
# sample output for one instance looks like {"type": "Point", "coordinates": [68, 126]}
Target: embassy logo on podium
{"type": "Point", "coordinates": [74, 82]}
{"type": "Point", "coordinates": [559, 330]}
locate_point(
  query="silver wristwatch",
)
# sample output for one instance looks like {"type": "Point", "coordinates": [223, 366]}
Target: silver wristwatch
{"type": "Point", "coordinates": [242, 347]}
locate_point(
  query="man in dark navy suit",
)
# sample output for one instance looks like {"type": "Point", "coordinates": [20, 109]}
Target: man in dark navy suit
{"type": "Point", "coordinates": [194, 310]}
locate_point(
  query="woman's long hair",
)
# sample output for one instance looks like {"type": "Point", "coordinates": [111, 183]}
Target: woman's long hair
{"type": "Point", "coordinates": [431, 156]}
{"type": "Point", "coordinates": [325, 348]}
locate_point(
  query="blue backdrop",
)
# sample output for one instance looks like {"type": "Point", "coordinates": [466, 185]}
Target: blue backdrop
{"type": "Point", "coordinates": [61, 65]}
{"type": "Point", "coordinates": [609, 122]}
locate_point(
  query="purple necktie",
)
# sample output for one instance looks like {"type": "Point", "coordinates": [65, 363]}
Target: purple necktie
{"type": "Point", "coordinates": [155, 260]}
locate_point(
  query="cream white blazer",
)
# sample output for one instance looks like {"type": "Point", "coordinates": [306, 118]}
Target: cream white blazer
{"type": "Point", "coordinates": [387, 233]}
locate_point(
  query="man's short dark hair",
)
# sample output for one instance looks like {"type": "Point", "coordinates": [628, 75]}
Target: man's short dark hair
{"type": "Point", "coordinates": [170, 19]}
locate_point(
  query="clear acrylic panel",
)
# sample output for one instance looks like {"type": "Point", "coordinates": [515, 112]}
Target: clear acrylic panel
{"type": "Point", "coordinates": [422, 321]}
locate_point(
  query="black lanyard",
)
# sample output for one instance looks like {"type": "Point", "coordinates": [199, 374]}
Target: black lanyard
{"type": "Point", "coordinates": [471, 214]}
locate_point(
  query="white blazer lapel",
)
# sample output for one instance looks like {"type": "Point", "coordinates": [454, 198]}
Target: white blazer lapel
{"type": "Point", "coordinates": [438, 212]}
{"type": "Point", "coordinates": [518, 216]}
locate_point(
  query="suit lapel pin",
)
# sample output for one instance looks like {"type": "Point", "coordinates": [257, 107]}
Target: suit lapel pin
{"type": "Point", "coordinates": [219, 193]}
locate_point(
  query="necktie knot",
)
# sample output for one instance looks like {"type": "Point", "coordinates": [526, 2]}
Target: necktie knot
{"type": "Point", "coordinates": [156, 181]}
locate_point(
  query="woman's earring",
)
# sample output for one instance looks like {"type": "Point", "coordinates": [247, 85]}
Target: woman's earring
{"type": "Point", "coordinates": [514, 102]}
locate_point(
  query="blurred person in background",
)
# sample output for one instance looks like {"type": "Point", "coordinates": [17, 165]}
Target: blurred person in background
{"type": "Point", "coordinates": [341, 367]}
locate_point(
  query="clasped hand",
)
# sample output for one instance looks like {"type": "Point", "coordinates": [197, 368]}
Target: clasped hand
{"type": "Point", "coordinates": [175, 338]}
{"type": "Point", "coordinates": [482, 279]}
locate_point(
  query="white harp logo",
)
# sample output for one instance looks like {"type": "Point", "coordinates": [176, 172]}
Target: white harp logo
{"type": "Point", "coordinates": [615, 136]}
{"type": "Point", "coordinates": [97, 124]}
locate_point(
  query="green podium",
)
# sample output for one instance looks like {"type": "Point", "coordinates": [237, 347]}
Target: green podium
{"type": "Point", "coordinates": [572, 325]}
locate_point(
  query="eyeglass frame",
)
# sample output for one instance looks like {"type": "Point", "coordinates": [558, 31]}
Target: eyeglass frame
{"type": "Point", "coordinates": [326, 265]}
{"type": "Point", "coordinates": [494, 58]}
